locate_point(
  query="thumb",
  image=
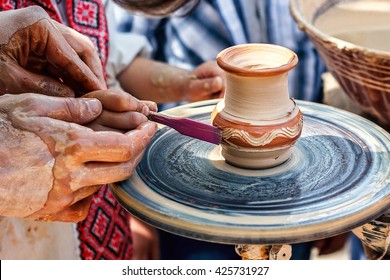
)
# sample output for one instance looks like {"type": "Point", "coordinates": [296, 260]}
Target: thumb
{"type": "Point", "coordinates": [76, 110]}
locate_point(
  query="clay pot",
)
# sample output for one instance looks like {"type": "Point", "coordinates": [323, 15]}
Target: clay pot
{"type": "Point", "coordinates": [259, 121]}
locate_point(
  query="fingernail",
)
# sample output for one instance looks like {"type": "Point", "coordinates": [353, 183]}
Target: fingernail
{"type": "Point", "coordinates": [93, 105]}
{"type": "Point", "coordinates": [152, 128]}
{"type": "Point", "coordinates": [145, 110]}
{"type": "Point", "coordinates": [155, 107]}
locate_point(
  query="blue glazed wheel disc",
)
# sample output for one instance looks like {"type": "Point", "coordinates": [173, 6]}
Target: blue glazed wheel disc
{"type": "Point", "coordinates": [336, 179]}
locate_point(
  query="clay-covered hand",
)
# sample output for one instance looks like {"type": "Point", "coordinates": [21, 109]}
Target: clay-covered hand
{"type": "Point", "coordinates": [121, 111]}
{"type": "Point", "coordinates": [40, 55]}
{"type": "Point", "coordinates": [208, 83]}
{"type": "Point", "coordinates": [50, 165]}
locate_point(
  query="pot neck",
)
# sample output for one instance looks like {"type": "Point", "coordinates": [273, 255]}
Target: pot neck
{"type": "Point", "coordinates": [257, 98]}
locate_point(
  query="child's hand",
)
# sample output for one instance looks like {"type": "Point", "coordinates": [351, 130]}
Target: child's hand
{"type": "Point", "coordinates": [208, 83]}
{"type": "Point", "coordinates": [121, 111]}
{"type": "Point", "coordinates": [163, 83]}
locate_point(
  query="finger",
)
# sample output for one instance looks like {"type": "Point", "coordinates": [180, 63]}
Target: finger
{"type": "Point", "coordinates": [151, 105]}
{"type": "Point", "coordinates": [17, 80]}
{"type": "Point", "coordinates": [61, 197]}
{"type": "Point", "coordinates": [74, 213]}
{"type": "Point", "coordinates": [36, 64]}
{"type": "Point", "coordinates": [98, 127]}
{"type": "Point", "coordinates": [117, 101]}
{"type": "Point", "coordinates": [203, 88]}
{"type": "Point", "coordinates": [85, 49]}
{"type": "Point", "coordinates": [84, 192]}
{"type": "Point", "coordinates": [209, 69]}
{"type": "Point", "coordinates": [212, 85]}
{"type": "Point", "coordinates": [76, 110]}
{"type": "Point", "coordinates": [94, 63]}
{"type": "Point", "coordinates": [60, 54]}
{"type": "Point", "coordinates": [53, 71]}
{"type": "Point", "coordinates": [121, 121]}
{"type": "Point", "coordinates": [111, 146]}
{"type": "Point", "coordinates": [102, 173]}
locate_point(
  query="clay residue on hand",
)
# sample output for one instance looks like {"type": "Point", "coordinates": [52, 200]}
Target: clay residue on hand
{"type": "Point", "coordinates": [170, 83]}
{"type": "Point", "coordinates": [8, 22]}
{"type": "Point", "coordinates": [34, 182]}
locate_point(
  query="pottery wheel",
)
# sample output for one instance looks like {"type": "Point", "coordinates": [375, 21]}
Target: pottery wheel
{"type": "Point", "coordinates": [337, 178]}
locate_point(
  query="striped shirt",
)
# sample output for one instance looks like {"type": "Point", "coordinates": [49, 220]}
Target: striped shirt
{"type": "Point", "coordinates": [217, 24]}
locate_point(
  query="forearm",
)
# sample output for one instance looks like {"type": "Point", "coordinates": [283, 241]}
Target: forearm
{"type": "Point", "coordinates": [150, 80]}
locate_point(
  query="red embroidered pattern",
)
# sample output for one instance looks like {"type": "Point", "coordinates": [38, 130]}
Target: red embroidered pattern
{"type": "Point", "coordinates": [105, 233]}
{"type": "Point", "coordinates": [9, 5]}
{"type": "Point", "coordinates": [6, 5]}
{"type": "Point", "coordinates": [85, 13]}
{"type": "Point", "coordinates": [88, 18]}
{"type": "Point", "coordinates": [85, 16]}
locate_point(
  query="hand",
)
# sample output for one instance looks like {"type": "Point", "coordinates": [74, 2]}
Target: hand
{"type": "Point", "coordinates": [50, 167]}
{"type": "Point", "coordinates": [208, 83]}
{"type": "Point", "coordinates": [145, 241]}
{"type": "Point", "coordinates": [121, 111]}
{"type": "Point", "coordinates": [40, 55]}
{"type": "Point", "coordinates": [163, 83]}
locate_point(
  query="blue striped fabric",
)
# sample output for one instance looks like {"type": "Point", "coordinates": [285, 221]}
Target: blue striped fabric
{"type": "Point", "coordinates": [217, 24]}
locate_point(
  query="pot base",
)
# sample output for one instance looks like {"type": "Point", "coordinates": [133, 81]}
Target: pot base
{"type": "Point", "coordinates": [255, 159]}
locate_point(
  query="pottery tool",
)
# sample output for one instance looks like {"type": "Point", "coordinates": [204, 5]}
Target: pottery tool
{"type": "Point", "coordinates": [188, 127]}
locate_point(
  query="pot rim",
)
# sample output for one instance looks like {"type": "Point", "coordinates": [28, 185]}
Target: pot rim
{"type": "Point", "coordinates": [240, 71]}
